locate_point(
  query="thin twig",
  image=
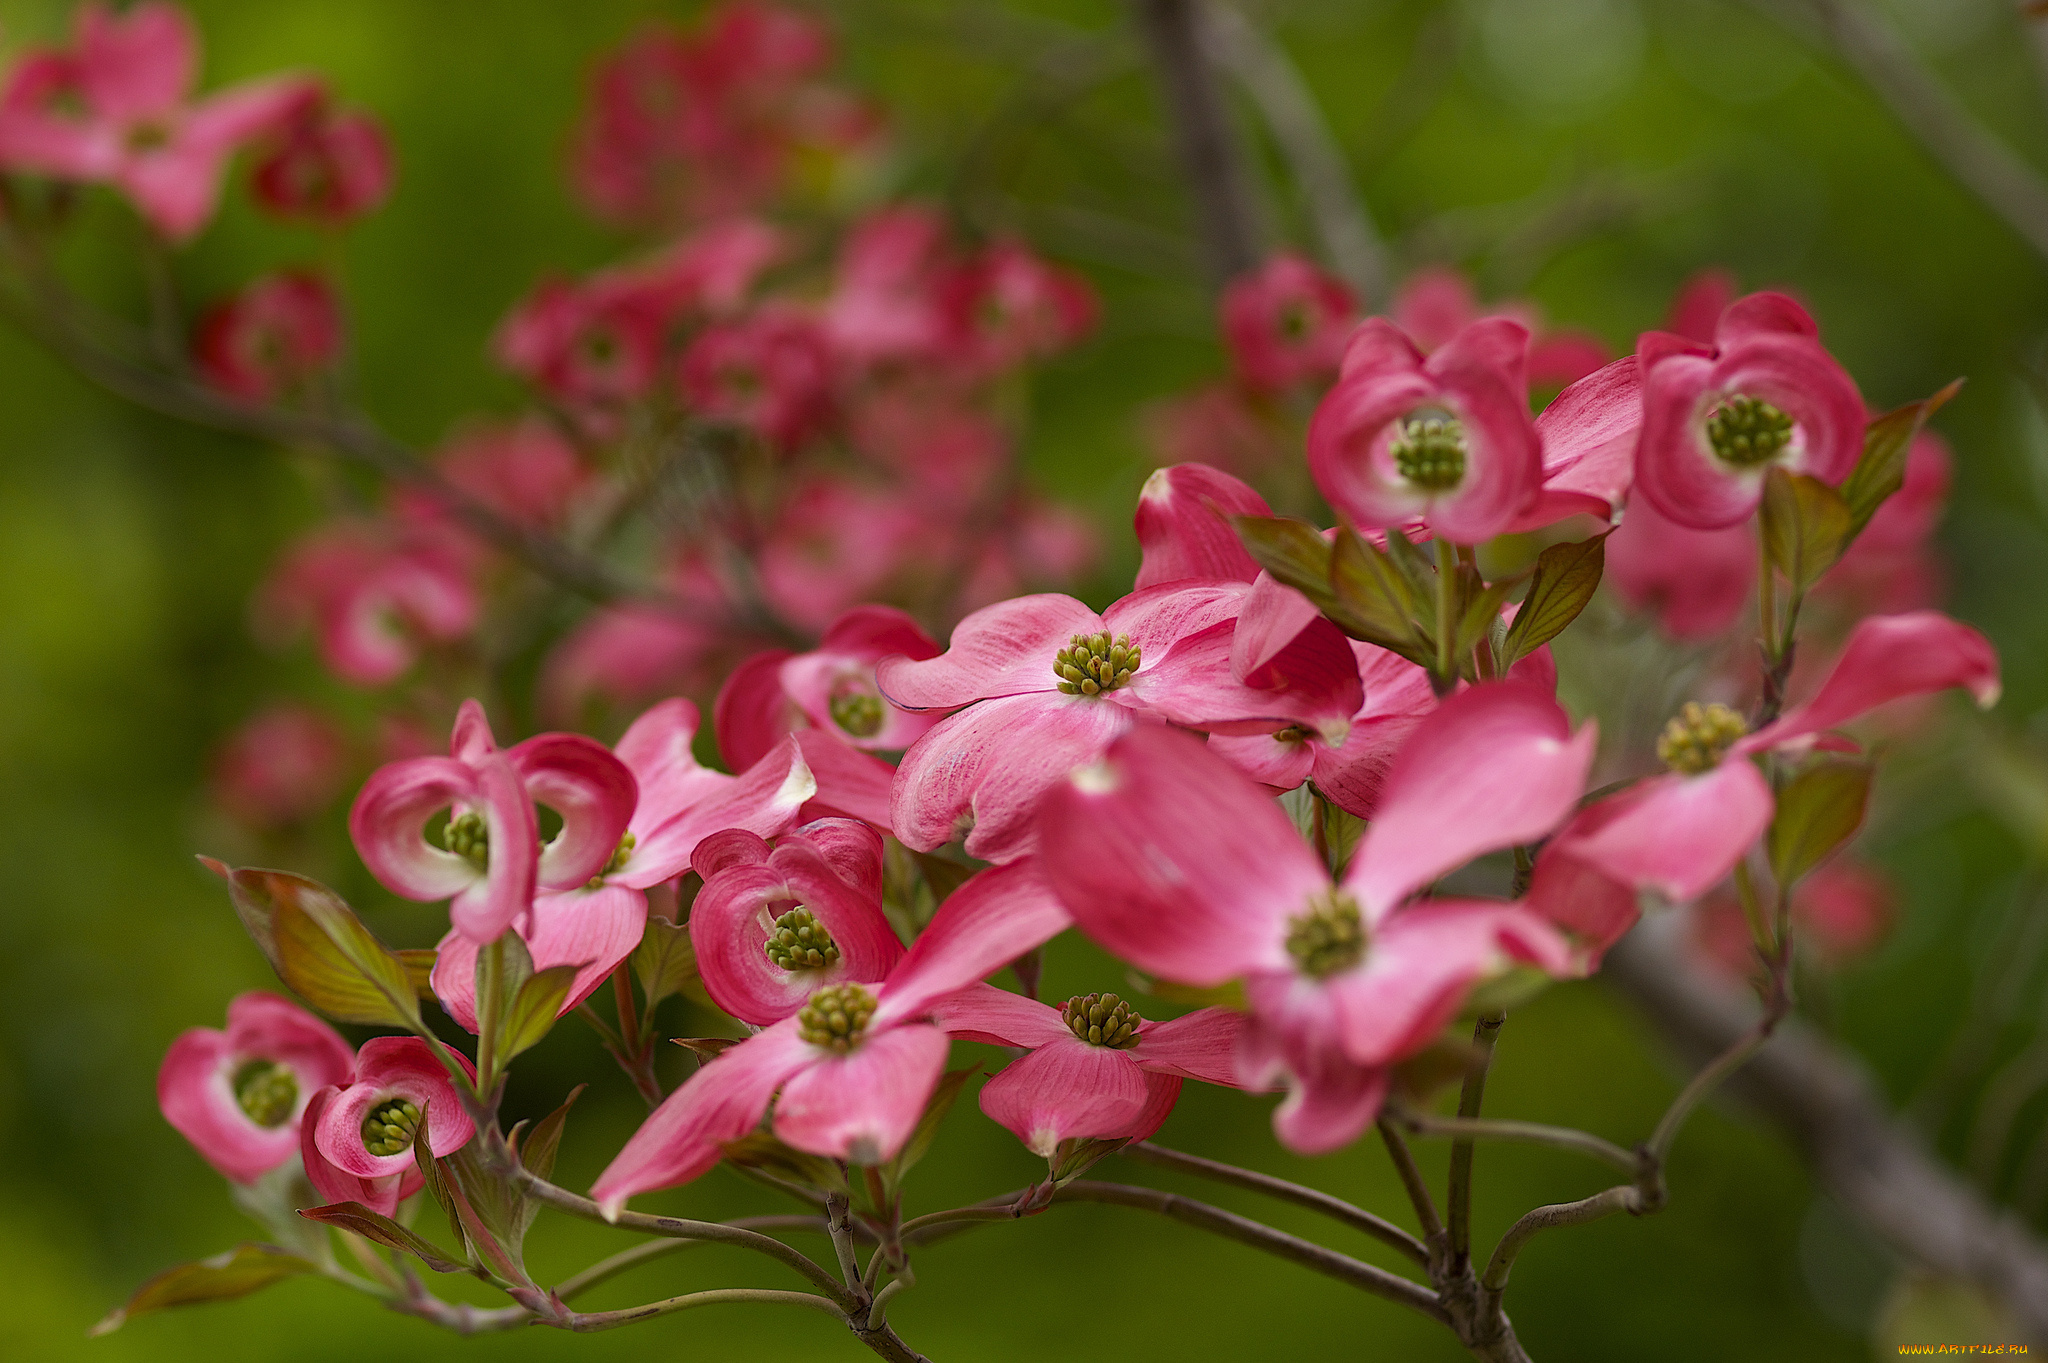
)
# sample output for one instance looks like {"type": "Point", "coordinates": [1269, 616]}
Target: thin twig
{"type": "Point", "coordinates": [590, 1322]}
{"type": "Point", "coordinates": [1412, 1181]}
{"type": "Point", "coordinates": [1623, 1197]}
{"type": "Point", "coordinates": [1526, 1133]}
{"type": "Point", "coordinates": [1334, 1207]}
{"type": "Point", "coordinates": [604, 1270]}
{"type": "Point", "coordinates": [1470, 1096]}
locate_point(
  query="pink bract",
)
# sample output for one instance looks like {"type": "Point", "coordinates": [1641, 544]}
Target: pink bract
{"type": "Point", "coordinates": [239, 1095]}
{"type": "Point", "coordinates": [1766, 349]}
{"type": "Point", "coordinates": [1286, 324]}
{"type": "Point", "coordinates": [267, 341]}
{"type": "Point", "coordinates": [831, 689]}
{"type": "Point", "coordinates": [327, 165]}
{"type": "Point", "coordinates": [1184, 526]}
{"type": "Point", "coordinates": [390, 1068]}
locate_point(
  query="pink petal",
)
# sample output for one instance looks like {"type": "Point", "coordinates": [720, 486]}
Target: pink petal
{"type": "Point", "coordinates": [861, 1107]}
{"type": "Point", "coordinates": [334, 1184]}
{"type": "Point", "coordinates": [389, 818]}
{"type": "Point", "coordinates": [1589, 436]}
{"type": "Point", "coordinates": [1492, 766]}
{"type": "Point", "coordinates": [721, 1102]}
{"type": "Point", "coordinates": [1172, 860]}
{"type": "Point", "coordinates": [391, 1067]}
{"type": "Point", "coordinates": [1678, 835]}
{"type": "Point", "coordinates": [994, 918]}
{"type": "Point", "coordinates": [1675, 468]}
{"type": "Point", "coordinates": [1270, 619]}
{"type": "Point", "coordinates": [997, 1017]}
{"type": "Point", "coordinates": [850, 782]}
{"type": "Point", "coordinates": [1887, 658]}
{"type": "Point", "coordinates": [1698, 581]}
{"type": "Point", "coordinates": [592, 790]}
{"type": "Point", "coordinates": [813, 681]}
{"type": "Point", "coordinates": [752, 710]}
{"type": "Point", "coordinates": [1590, 907]}
{"type": "Point", "coordinates": [986, 768]}
{"type": "Point", "coordinates": [1313, 682]}
{"type": "Point", "coordinates": [136, 65]}
{"type": "Point", "coordinates": [483, 911]}
{"type": "Point", "coordinates": [195, 1093]}
{"type": "Point", "coordinates": [1798, 376]}
{"type": "Point", "coordinates": [1184, 528]}
{"type": "Point", "coordinates": [658, 750]}
{"type": "Point", "coordinates": [872, 633]}
{"type": "Point", "coordinates": [729, 926]}
{"type": "Point", "coordinates": [471, 738]}
{"type": "Point", "coordinates": [1159, 617]}
{"type": "Point", "coordinates": [1420, 965]}
{"type": "Point", "coordinates": [729, 847]}
{"type": "Point", "coordinates": [1279, 761]}
{"type": "Point", "coordinates": [851, 848]}
{"type": "Point", "coordinates": [1202, 1045]}
{"type": "Point", "coordinates": [1000, 650]}
{"type": "Point", "coordinates": [764, 800]}
{"type": "Point", "coordinates": [595, 929]}
{"type": "Point", "coordinates": [1066, 1089]}
{"type": "Point", "coordinates": [1330, 1099]}
{"type": "Point", "coordinates": [1761, 314]}
{"type": "Point", "coordinates": [1483, 369]}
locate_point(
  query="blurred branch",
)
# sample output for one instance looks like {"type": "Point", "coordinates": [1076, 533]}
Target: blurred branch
{"type": "Point", "coordinates": [1859, 1152]}
{"type": "Point", "coordinates": [1182, 49]}
{"type": "Point", "coordinates": [1521, 235]}
{"type": "Point", "coordinates": [1976, 157]}
{"type": "Point", "coordinates": [1270, 78]}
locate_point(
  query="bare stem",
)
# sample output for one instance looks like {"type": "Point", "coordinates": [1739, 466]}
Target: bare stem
{"type": "Point", "coordinates": [1469, 1099]}
{"type": "Point", "coordinates": [1623, 1197]}
{"type": "Point", "coordinates": [1411, 1179]}
{"type": "Point", "coordinates": [1526, 1133]}
{"type": "Point", "coordinates": [1334, 1207]}
{"type": "Point", "coordinates": [604, 1270]}
{"type": "Point", "coordinates": [1215, 165]}
{"type": "Point", "coordinates": [590, 1322]}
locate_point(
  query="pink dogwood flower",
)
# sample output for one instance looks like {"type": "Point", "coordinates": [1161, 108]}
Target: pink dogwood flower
{"type": "Point", "coordinates": [117, 109]}
{"type": "Point", "coordinates": [1005, 306]}
{"type": "Point", "coordinates": [1096, 1069]}
{"type": "Point", "coordinates": [1176, 862]}
{"type": "Point", "coordinates": [1446, 440]}
{"type": "Point", "coordinates": [283, 764]}
{"type": "Point", "coordinates": [358, 1137]}
{"type": "Point", "coordinates": [371, 593]}
{"type": "Point", "coordinates": [268, 340]}
{"type": "Point", "coordinates": [1041, 684]}
{"type": "Point", "coordinates": [1680, 833]}
{"type": "Point", "coordinates": [1184, 526]}
{"type": "Point", "coordinates": [885, 303]}
{"type": "Point", "coordinates": [1286, 323]}
{"type": "Point", "coordinates": [831, 689]}
{"type": "Point", "coordinates": [772, 928]}
{"type": "Point", "coordinates": [1717, 417]}
{"type": "Point", "coordinates": [492, 860]}
{"type": "Point", "coordinates": [770, 373]}
{"type": "Point", "coordinates": [1696, 582]}
{"type": "Point", "coordinates": [524, 470]}
{"type": "Point", "coordinates": [675, 804]}
{"type": "Point", "coordinates": [238, 1095]}
{"type": "Point", "coordinates": [856, 1064]}
{"type": "Point", "coordinates": [1589, 436]}
{"type": "Point", "coordinates": [327, 165]}
{"type": "Point", "coordinates": [1436, 303]}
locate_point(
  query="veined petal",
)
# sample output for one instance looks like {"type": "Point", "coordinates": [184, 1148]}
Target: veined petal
{"type": "Point", "coordinates": [1678, 835]}
{"type": "Point", "coordinates": [595, 929]}
{"type": "Point", "coordinates": [874, 632]}
{"type": "Point", "coordinates": [1201, 1045]}
{"type": "Point", "coordinates": [1492, 766]}
{"type": "Point", "coordinates": [986, 769]}
{"type": "Point", "coordinates": [1331, 1099]}
{"type": "Point", "coordinates": [389, 819]}
{"type": "Point", "coordinates": [1887, 658]}
{"type": "Point", "coordinates": [1592, 908]}
{"type": "Point", "coordinates": [997, 1017]}
{"type": "Point", "coordinates": [991, 920]}
{"type": "Point", "coordinates": [1174, 861]}
{"type": "Point", "coordinates": [334, 1184]}
{"type": "Point", "coordinates": [391, 1067]}
{"type": "Point", "coordinates": [657, 750]}
{"type": "Point", "coordinates": [1313, 682]}
{"type": "Point", "coordinates": [721, 1102]}
{"type": "Point", "coordinates": [861, 1107]}
{"type": "Point", "coordinates": [1066, 1088]}
{"type": "Point", "coordinates": [471, 739]}
{"type": "Point", "coordinates": [1159, 617]}
{"type": "Point", "coordinates": [764, 800]}
{"type": "Point", "coordinates": [814, 681]}
{"type": "Point", "coordinates": [1270, 619]}
{"type": "Point", "coordinates": [1000, 650]}
{"type": "Point", "coordinates": [752, 710]}
{"type": "Point", "coordinates": [1589, 438]}
{"type": "Point", "coordinates": [731, 919]}
{"type": "Point", "coordinates": [592, 790]}
{"type": "Point", "coordinates": [1184, 529]}
{"type": "Point", "coordinates": [850, 782]}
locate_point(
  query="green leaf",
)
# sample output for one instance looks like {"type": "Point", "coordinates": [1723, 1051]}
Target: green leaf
{"type": "Point", "coordinates": [486, 1211]}
{"type": "Point", "coordinates": [1294, 552]}
{"type": "Point", "coordinates": [1076, 1155]}
{"type": "Point", "coordinates": [1806, 526]}
{"type": "Point", "coordinates": [1482, 610]}
{"type": "Point", "coordinates": [1369, 599]}
{"type": "Point", "coordinates": [942, 875]}
{"type": "Point", "coordinates": [419, 966]}
{"type": "Point", "coordinates": [1818, 810]}
{"type": "Point", "coordinates": [330, 959]}
{"type": "Point", "coordinates": [355, 1217]}
{"type": "Point", "coordinates": [706, 1047]}
{"type": "Point", "coordinates": [439, 1188]}
{"type": "Point", "coordinates": [1886, 443]}
{"type": "Point", "coordinates": [535, 1008]}
{"type": "Point", "coordinates": [1566, 577]}
{"type": "Point", "coordinates": [248, 1267]}
{"type": "Point", "coordinates": [666, 964]}
{"type": "Point", "coordinates": [538, 1154]}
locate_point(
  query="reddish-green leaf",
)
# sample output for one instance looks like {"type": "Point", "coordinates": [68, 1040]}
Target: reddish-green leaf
{"type": "Point", "coordinates": [371, 1225]}
{"type": "Point", "coordinates": [331, 960]}
{"type": "Point", "coordinates": [1294, 552]}
{"type": "Point", "coordinates": [1806, 526]}
{"type": "Point", "coordinates": [1818, 811]}
{"type": "Point", "coordinates": [248, 1267]}
{"type": "Point", "coordinates": [1886, 443]}
{"type": "Point", "coordinates": [665, 963]}
{"type": "Point", "coordinates": [1566, 577]}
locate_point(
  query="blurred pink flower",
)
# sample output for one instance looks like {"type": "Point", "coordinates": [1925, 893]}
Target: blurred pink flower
{"type": "Point", "coordinates": [265, 342]}
{"type": "Point", "coordinates": [1696, 581]}
{"type": "Point", "coordinates": [1005, 305]}
{"type": "Point", "coordinates": [238, 1095]}
{"type": "Point", "coordinates": [371, 592]}
{"type": "Point", "coordinates": [327, 165]}
{"type": "Point", "coordinates": [1286, 323]}
{"type": "Point", "coordinates": [770, 372]}
{"type": "Point", "coordinates": [283, 764]}
{"type": "Point", "coordinates": [831, 688]}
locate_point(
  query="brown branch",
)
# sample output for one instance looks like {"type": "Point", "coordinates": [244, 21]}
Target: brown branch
{"type": "Point", "coordinates": [1210, 156]}
{"type": "Point", "coordinates": [1825, 1101]}
{"type": "Point", "coordinates": [1315, 1200]}
{"type": "Point", "coordinates": [1925, 107]}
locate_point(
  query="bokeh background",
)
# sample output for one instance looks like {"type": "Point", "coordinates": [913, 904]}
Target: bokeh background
{"type": "Point", "coordinates": [1589, 154]}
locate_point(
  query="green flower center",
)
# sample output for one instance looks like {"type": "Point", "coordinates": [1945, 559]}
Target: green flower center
{"type": "Point", "coordinates": [1093, 663]}
{"type": "Point", "coordinates": [621, 854]}
{"type": "Point", "coordinates": [390, 1127]}
{"type": "Point", "coordinates": [1328, 936]}
{"type": "Point", "coordinates": [267, 1092]}
{"type": "Point", "coordinates": [836, 1018]}
{"type": "Point", "coordinates": [859, 712]}
{"type": "Point", "coordinates": [1102, 1020]}
{"type": "Point", "coordinates": [469, 837]}
{"type": "Point", "coordinates": [799, 942]}
{"type": "Point", "coordinates": [1698, 736]}
{"type": "Point", "coordinates": [1429, 451]}
{"type": "Point", "coordinates": [1747, 432]}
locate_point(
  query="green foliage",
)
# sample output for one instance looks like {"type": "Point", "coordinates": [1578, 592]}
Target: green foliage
{"type": "Point", "coordinates": [237, 1272]}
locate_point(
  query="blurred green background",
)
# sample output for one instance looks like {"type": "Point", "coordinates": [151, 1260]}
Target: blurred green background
{"type": "Point", "coordinates": [1587, 153]}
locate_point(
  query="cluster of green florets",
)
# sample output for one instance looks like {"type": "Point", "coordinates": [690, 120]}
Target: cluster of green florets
{"type": "Point", "coordinates": [1102, 1020]}
{"type": "Point", "coordinates": [267, 1092]}
{"type": "Point", "coordinates": [391, 1126]}
{"type": "Point", "coordinates": [836, 1018]}
{"type": "Point", "coordinates": [621, 854]}
{"type": "Point", "coordinates": [469, 837]}
{"type": "Point", "coordinates": [799, 941]}
{"type": "Point", "coordinates": [1429, 451]}
{"type": "Point", "coordinates": [1698, 736]}
{"type": "Point", "coordinates": [1093, 663]}
{"type": "Point", "coordinates": [1746, 432]}
{"type": "Point", "coordinates": [858, 712]}
{"type": "Point", "coordinates": [1328, 935]}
